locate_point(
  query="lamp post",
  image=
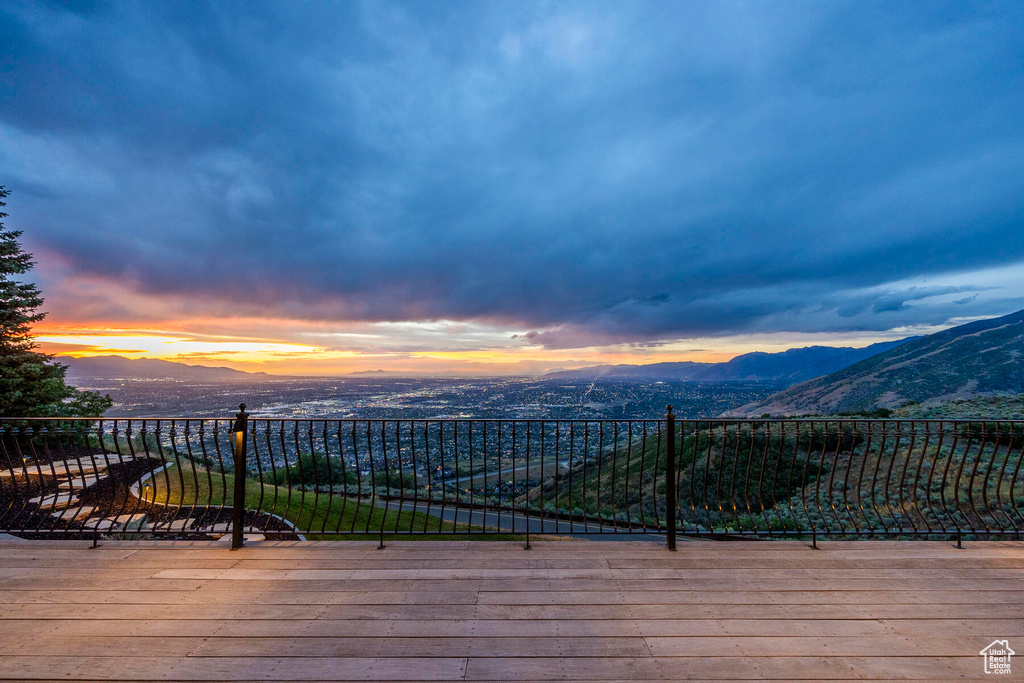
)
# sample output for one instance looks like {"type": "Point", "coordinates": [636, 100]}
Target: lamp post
{"type": "Point", "coordinates": [671, 498]}
{"type": "Point", "coordinates": [238, 446]}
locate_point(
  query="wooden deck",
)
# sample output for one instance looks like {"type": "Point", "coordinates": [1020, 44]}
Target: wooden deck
{"type": "Point", "coordinates": [566, 610]}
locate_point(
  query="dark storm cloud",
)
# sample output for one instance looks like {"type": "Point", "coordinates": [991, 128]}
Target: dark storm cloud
{"type": "Point", "coordinates": [594, 172]}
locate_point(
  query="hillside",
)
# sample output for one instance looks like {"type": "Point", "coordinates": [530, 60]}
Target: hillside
{"type": "Point", "coordinates": [788, 367]}
{"type": "Point", "coordinates": [119, 367]}
{"type": "Point", "coordinates": [981, 358]}
{"type": "Point", "coordinates": [998, 407]}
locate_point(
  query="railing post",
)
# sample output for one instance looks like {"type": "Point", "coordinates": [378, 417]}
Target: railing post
{"type": "Point", "coordinates": [670, 479]}
{"type": "Point", "coordinates": [239, 446]}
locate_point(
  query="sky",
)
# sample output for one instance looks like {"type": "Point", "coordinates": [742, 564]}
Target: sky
{"type": "Point", "coordinates": [510, 187]}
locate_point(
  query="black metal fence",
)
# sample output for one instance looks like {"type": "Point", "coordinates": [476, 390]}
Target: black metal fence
{"type": "Point", "coordinates": [189, 477]}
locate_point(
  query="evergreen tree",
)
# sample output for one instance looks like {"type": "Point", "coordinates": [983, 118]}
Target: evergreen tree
{"type": "Point", "coordinates": [30, 384]}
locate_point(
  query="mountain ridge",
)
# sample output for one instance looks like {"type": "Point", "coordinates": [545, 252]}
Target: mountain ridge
{"type": "Point", "coordinates": [790, 366]}
{"type": "Point", "coordinates": [120, 367]}
{"type": "Point", "coordinates": [980, 358]}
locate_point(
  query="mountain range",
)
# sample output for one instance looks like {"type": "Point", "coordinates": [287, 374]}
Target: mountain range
{"type": "Point", "coordinates": [786, 367]}
{"type": "Point", "coordinates": [119, 367]}
{"type": "Point", "coordinates": [981, 358]}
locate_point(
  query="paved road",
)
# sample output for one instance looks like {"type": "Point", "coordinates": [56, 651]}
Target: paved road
{"type": "Point", "coordinates": [479, 476]}
{"type": "Point", "coordinates": [506, 521]}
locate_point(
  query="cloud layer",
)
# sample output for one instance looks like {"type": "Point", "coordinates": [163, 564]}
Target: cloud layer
{"type": "Point", "coordinates": [587, 173]}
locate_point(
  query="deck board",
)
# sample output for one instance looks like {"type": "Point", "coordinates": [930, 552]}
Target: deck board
{"type": "Point", "coordinates": [566, 610]}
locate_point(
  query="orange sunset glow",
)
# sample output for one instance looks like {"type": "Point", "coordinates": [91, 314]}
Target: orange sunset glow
{"type": "Point", "coordinates": [386, 350]}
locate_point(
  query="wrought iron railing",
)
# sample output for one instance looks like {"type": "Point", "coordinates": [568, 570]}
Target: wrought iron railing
{"type": "Point", "coordinates": [325, 478]}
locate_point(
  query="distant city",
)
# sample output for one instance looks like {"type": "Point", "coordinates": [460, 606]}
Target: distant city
{"type": "Point", "coordinates": [421, 398]}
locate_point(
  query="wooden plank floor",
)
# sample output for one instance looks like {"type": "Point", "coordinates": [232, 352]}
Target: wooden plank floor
{"type": "Point", "coordinates": [490, 611]}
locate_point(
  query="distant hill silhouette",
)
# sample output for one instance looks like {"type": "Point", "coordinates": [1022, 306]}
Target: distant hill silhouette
{"type": "Point", "coordinates": [119, 367]}
{"type": "Point", "coordinates": [982, 358]}
{"type": "Point", "coordinates": [789, 367]}
{"type": "Point", "coordinates": [682, 370]}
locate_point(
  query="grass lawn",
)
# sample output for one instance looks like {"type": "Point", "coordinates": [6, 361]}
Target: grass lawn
{"type": "Point", "coordinates": [316, 516]}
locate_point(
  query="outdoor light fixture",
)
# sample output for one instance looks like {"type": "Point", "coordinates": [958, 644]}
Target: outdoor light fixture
{"type": "Point", "coordinates": [238, 446]}
{"type": "Point", "coordinates": [238, 431]}
{"type": "Point", "coordinates": [147, 491]}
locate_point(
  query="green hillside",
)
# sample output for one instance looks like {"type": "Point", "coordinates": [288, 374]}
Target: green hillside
{"type": "Point", "coordinates": [987, 407]}
{"type": "Point", "coordinates": [723, 471]}
{"type": "Point", "coordinates": [846, 476]}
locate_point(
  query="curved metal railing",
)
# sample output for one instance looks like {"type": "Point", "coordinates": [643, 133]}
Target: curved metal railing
{"type": "Point", "coordinates": [325, 478]}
